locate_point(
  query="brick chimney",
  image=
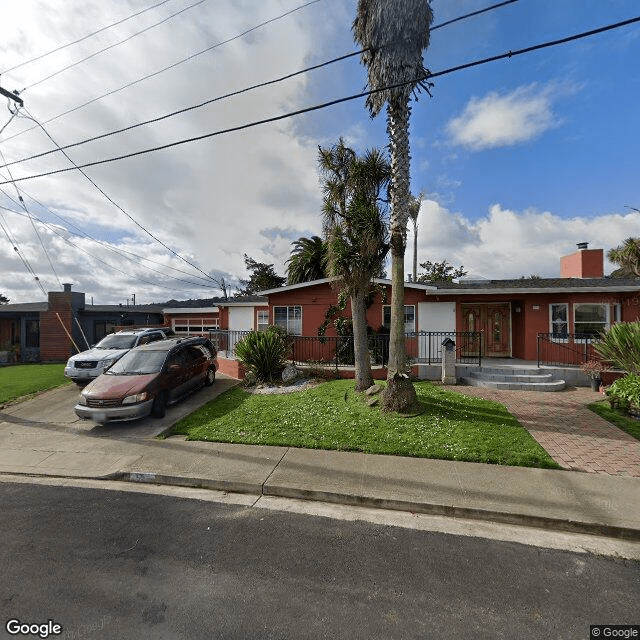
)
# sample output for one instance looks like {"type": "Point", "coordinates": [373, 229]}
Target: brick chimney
{"type": "Point", "coordinates": [56, 324]}
{"type": "Point", "coordinates": [583, 263]}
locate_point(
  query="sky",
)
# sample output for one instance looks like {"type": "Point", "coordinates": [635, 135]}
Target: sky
{"type": "Point", "coordinates": [517, 160]}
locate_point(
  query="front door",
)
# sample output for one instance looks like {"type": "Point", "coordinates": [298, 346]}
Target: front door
{"type": "Point", "coordinates": [494, 320]}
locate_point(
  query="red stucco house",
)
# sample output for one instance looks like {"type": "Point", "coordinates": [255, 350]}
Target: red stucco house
{"type": "Point", "coordinates": [512, 314]}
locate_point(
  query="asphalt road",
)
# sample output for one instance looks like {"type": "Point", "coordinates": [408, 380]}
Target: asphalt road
{"type": "Point", "coordinates": [111, 564]}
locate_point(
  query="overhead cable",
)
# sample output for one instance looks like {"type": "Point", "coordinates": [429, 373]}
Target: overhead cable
{"type": "Point", "coordinates": [111, 46]}
{"type": "Point", "coordinates": [428, 76]}
{"type": "Point", "coordinates": [245, 90]}
{"type": "Point", "coordinates": [53, 229]}
{"type": "Point", "coordinates": [115, 204]}
{"type": "Point", "coordinates": [89, 35]}
{"type": "Point", "coordinates": [121, 253]}
{"type": "Point", "coordinates": [171, 66]}
{"type": "Point", "coordinates": [24, 206]}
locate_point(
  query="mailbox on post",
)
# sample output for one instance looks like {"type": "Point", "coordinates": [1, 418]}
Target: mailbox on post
{"type": "Point", "coordinates": [449, 361]}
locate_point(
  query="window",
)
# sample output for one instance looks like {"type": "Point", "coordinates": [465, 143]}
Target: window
{"type": "Point", "coordinates": [33, 333]}
{"type": "Point", "coordinates": [559, 320]}
{"type": "Point", "coordinates": [262, 320]}
{"type": "Point", "coordinates": [289, 318]}
{"type": "Point", "coordinates": [590, 319]}
{"type": "Point", "coordinates": [409, 317]}
{"type": "Point", "coordinates": [195, 326]}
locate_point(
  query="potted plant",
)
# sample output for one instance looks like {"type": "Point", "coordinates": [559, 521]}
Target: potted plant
{"type": "Point", "coordinates": [594, 369]}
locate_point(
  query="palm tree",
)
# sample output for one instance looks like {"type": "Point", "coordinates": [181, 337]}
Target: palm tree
{"type": "Point", "coordinates": [393, 36]}
{"type": "Point", "coordinates": [627, 257]}
{"type": "Point", "coordinates": [308, 260]}
{"type": "Point", "coordinates": [355, 233]}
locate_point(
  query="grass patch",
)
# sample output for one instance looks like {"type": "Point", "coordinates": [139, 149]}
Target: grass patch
{"type": "Point", "coordinates": [21, 380]}
{"type": "Point", "coordinates": [332, 416]}
{"type": "Point", "coordinates": [620, 420]}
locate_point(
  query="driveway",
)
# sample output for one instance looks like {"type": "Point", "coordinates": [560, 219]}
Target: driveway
{"type": "Point", "coordinates": [55, 407]}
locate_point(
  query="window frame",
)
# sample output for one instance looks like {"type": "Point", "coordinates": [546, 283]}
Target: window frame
{"type": "Point", "coordinates": [262, 326]}
{"type": "Point", "coordinates": [291, 321]}
{"type": "Point", "coordinates": [191, 326]}
{"type": "Point", "coordinates": [406, 308]}
{"type": "Point", "coordinates": [606, 324]}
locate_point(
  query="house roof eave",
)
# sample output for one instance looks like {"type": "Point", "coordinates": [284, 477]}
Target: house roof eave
{"type": "Point", "coordinates": [525, 290]}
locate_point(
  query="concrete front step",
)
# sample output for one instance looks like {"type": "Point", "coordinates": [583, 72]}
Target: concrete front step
{"type": "Point", "coordinates": [513, 379]}
{"type": "Point", "coordinates": [504, 376]}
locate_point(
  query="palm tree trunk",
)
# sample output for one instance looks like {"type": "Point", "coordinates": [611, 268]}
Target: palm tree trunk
{"type": "Point", "coordinates": [398, 129]}
{"type": "Point", "coordinates": [364, 377]}
{"type": "Point", "coordinates": [399, 394]}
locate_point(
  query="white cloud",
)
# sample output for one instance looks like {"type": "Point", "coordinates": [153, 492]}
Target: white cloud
{"type": "Point", "coordinates": [505, 120]}
{"type": "Point", "coordinates": [510, 244]}
{"type": "Point", "coordinates": [208, 200]}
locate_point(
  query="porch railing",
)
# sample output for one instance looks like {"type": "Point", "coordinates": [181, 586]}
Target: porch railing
{"type": "Point", "coordinates": [422, 347]}
{"type": "Point", "coordinates": [566, 348]}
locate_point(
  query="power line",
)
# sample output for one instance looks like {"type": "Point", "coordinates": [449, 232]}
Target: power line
{"type": "Point", "coordinates": [115, 204]}
{"type": "Point", "coordinates": [171, 66]}
{"type": "Point", "coordinates": [428, 76]}
{"type": "Point", "coordinates": [100, 260]}
{"type": "Point", "coordinates": [93, 33]}
{"type": "Point", "coordinates": [122, 253]}
{"type": "Point", "coordinates": [24, 206]}
{"type": "Point", "coordinates": [112, 46]}
{"type": "Point", "coordinates": [187, 109]}
{"type": "Point", "coordinates": [247, 89]}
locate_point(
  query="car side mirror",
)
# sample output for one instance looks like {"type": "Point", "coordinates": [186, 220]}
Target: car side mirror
{"type": "Point", "coordinates": [174, 368]}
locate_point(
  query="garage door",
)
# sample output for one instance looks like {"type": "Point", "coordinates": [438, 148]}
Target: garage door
{"type": "Point", "coordinates": [434, 317]}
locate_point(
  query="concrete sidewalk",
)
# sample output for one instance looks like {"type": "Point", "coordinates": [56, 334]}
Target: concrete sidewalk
{"type": "Point", "coordinates": [64, 446]}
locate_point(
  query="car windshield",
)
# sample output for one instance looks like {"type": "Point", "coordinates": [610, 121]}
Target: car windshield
{"type": "Point", "coordinates": [136, 363]}
{"type": "Point", "coordinates": [114, 341]}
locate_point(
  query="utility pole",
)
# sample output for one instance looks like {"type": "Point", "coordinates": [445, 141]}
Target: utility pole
{"type": "Point", "coordinates": [12, 96]}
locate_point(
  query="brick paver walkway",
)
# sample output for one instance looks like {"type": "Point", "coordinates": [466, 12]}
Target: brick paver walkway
{"type": "Point", "coordinates": [575, 437]}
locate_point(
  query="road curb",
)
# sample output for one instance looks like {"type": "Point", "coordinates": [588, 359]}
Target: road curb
{"type": "Point", "coordinates": [469, 513]}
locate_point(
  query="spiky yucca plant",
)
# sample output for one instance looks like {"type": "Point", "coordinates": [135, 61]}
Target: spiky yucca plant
{"type": "Point", "coordinates": [620, 345]}
{"type": "Point", "coordinates": [264, 353]}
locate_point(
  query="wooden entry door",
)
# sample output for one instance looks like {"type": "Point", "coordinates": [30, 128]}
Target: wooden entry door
{"type": "Point", "coordinates": [495, 322]}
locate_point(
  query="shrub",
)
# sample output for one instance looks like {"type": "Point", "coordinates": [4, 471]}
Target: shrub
{"type": "Point", "coordinates": [621, 346]}
{"type": "Point", "coordinates": [624, 393]}
{"type": "Point", "coordinates": [264, 353]}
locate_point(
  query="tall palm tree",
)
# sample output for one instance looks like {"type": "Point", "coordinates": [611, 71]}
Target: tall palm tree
{"type": "Point", "coordinates": [355, 231]}
{"type": "Point", "coordinates": [393, 36]}
{"type": "Point", "coordinates": [308, 260]}
{"type": "Point", "coordinates": [627, 257]}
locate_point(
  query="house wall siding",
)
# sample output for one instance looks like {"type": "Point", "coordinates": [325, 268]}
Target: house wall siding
{"type": "Point", "coordinates": [316, 299]}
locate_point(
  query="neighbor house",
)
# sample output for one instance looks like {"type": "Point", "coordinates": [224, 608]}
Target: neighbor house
{"type": "Point", "coordinates": [50, 331]}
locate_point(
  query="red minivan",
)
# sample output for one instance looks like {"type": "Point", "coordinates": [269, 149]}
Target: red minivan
{"type": "Point", "coordinates": [149, 378]}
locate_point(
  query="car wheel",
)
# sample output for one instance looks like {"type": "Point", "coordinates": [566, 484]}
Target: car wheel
{"type": "Point", "coordinates": [210, 378]}
{"type": "Point", "coordinates": [159, 407]}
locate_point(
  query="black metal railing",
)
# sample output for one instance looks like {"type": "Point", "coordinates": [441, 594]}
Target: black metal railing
{"type": "Point", "coordinates": [566, 348]}
{"type": "Point", "coordinates": [422, 347]}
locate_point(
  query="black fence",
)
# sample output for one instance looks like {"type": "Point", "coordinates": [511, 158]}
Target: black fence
{"type": "Point", "coordinates": [423, 347]}
{"type": "Point", "coordinates": [566, 348]}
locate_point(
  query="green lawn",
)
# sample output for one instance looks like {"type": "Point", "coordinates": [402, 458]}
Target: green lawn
{"type": "Point", "coordinates": [333, 416]}
{"type": "Point", "coordinates": [622, 421]}
{"type": "Point", "coordinates": [25, 379]}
